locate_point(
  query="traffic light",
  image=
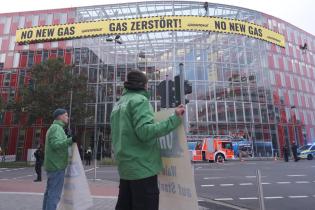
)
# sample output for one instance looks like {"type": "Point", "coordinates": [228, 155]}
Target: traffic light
{"type": "Point", "coordinates": [162, 92]}
{"type": "Point", "coordinates": [187, 90]}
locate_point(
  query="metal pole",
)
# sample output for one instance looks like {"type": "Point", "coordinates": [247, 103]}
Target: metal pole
{"type": "Point", "coordinates": [260, 192]}
{"type": "Point", "coordinates": [70, 108]}
{"type": "Point", "coordinates": [95, 121]}
{"type": "Point", "coordinates": [167, 92]}
{"type": "Point", "coordinates": [182, 92]}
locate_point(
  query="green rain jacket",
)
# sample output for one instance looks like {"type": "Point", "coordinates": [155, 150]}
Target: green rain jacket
{"type": "Point", "coordinates": [56, 147]}
{"type": "Point", "coordinates": [135, 135]}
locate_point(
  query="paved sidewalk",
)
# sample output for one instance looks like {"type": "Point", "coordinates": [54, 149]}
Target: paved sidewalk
{"type": "Point", "coordinates": [34, 202]}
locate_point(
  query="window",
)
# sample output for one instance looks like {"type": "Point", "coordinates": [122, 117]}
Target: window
{"type": "Point", "coordinates": [226, 145]}
{"type": "Point", "coordinates": [16, 60]}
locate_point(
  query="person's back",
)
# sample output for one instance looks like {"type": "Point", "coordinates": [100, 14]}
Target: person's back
{"type": "Point", "coordinates": [135, 141]}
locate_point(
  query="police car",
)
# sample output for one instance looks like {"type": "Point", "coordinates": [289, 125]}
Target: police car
{"type": "Point", "coordinates": [307, 151]}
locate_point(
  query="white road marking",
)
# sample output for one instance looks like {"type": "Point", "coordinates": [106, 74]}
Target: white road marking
{"type": "Point", "coordinates": [296, 175]}
{"type": "Point", "coordinates": [283, 182]}
{"type": "Point", "coordinates": [198, 168]}
{"type": "Point", "coordinates": [250, 177]}
{"type": "Point", "coordinates": [23, 176]}
{"type": "Point", "coordinates": [89, 169]}
{"type": "Point", "coordinates": [226, 185]}
{"type": "Point", "coordinates": [298, 196]}
{"type": "Point", "coordinates": [15, 169]}
{"type": "Point", "coordinates": [302, 182]}
{"type": "Point", "coordinates": [274, 197]}
{"type": "Point", "coordinates": [246, 184]}
{"type": "Point", "coordinates": [212, 178]}
{"type": "Point", "coordinates": [265, 183]}
{"type": "Point", "coordinates": [249, 198]}
{"type": "Point", "coordinates": [223, 199]}
{"type": "Point", "coordinates": [207, 185]}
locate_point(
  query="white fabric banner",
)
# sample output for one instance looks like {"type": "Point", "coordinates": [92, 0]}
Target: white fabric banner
{"type": "Point", "coordinates": [176, 181]}
{"type": "Point", "coordinates": [76, 192]}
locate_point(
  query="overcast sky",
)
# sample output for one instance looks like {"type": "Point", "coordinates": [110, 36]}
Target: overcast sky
{"type": "Point", "coordinates": [298, 12]}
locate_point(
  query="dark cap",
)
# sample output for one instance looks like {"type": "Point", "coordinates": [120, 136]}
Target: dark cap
{"type": "Point", "coordinates": [59, 112]}
{"type": "Point", "coordinates": [136, 80]}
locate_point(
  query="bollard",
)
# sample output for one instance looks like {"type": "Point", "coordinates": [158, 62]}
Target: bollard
{"type": "Point", "coordinates": [260, 192]}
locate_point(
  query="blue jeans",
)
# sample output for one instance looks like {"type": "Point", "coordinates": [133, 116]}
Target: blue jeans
{"type": "Point", "coordinates": [53, 191]}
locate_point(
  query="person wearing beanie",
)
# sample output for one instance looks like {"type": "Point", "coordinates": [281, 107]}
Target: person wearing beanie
{"type": "Point", "coordinates": [135, 141]}
{"type": "Point", "coordinates": [56, 158]}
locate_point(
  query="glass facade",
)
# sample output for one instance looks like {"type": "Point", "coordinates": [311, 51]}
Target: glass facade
{"type": "Point", "coordinates": [241, 86]}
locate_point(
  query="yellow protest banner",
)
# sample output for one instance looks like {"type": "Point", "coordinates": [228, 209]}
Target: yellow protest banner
{"type": "Point", "coordinates": [146, 25]}
{"type": "Point", "coordinates": [176, 181]}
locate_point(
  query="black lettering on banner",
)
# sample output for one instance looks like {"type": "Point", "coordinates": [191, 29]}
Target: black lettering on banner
{"type": "Point", "coordinates": [46, 32]}
{"type": "Point", "coordinates": [254, 31]}
{"type": "Point", "coordinates": [133, 26]}
{"type": "Point", "coordinates": [138, 25]}
{"type": "Point", "coordinates": [169, 23]}
{"type": "Point", "coordinates": [144, 25]}
{"type": "Point", "coordinates": [221, 25]}
{"type": "Point", "coordinates": [72, 30]}
{"type": "Point", "coordinates": [150, 24]}
{"type": "Point", "coordinates": [112, 27]}
{"type": "Point", "coordinates": [162, 23]}
{"type": "Point", "coordinates": [118, 26]}
{"type": "Point", "coordinates": [124, 26]}
{"type": "Point", "coordinates": [65, 31]}
{"type": "Point", "coordinates": [237, 27]}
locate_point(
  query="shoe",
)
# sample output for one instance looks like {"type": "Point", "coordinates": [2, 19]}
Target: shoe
{"type": "Point", "coordinates": [37, 180]}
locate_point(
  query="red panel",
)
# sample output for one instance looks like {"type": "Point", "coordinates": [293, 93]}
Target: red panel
{"type": "Point", "coordinates": [281, 64]}
{"type": "Point", "coordinates": [70, 20]}
{"type": "Point", "coordinates": [67, 58]}
{"type": "Point", "coordinates": [42, 22]}
{"type": "Point", "coordinates": [23, 119]}
{"type": "Point", "coordinates": [28, 24]}
{"type": "Point", "coordinates": [14, 27]}
{"type": "Point", "coordinates": [8, 62]}
{"type": "Point", "coordinates": [7, 118]}
{"type": "Point", "coordinates": [286, 98]}
{"type": "Point", "coordinates": [276, 97]}
{"type": "Point", "coordinates": [1, 79]}
{"type": "Point", "coordinates": [13, 140]}
{"type": "Point", "coordinates": [291, 133]}
{"type": "Point", "coordinates": [283, 117]}
{"type": "Point", "coordinates": [28, 141]}
{"type": "Point", "coordinates": [23, 60]}
{"type": "Point", "coordinates": [13, 81]}
{"type": "Point", "coordinates": [287, 81]}
{"type": "Point", "coordinates": [271, 62]}
{"type": "Point", "coordinates": [278, 79]}
{"type": "Point", "coordinates": [53, 55]}
{"type": "Point", "coordinates": [1, 28]}
{"type": "Point", "coordinates": [281, 138]}
{"type": "Point", "coordinates": [38, 58]}
{"type": "Point", "coordinates": [56, 21]}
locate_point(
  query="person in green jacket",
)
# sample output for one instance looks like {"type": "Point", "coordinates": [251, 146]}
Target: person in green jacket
{"type": "Point", "coordinates": [56, 158]}
{"type": "Point", "coordinates": [136, 148]}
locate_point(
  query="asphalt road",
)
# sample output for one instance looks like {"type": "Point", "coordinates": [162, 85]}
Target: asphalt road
{"type": "Point", "coordinates": [286, 186]}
